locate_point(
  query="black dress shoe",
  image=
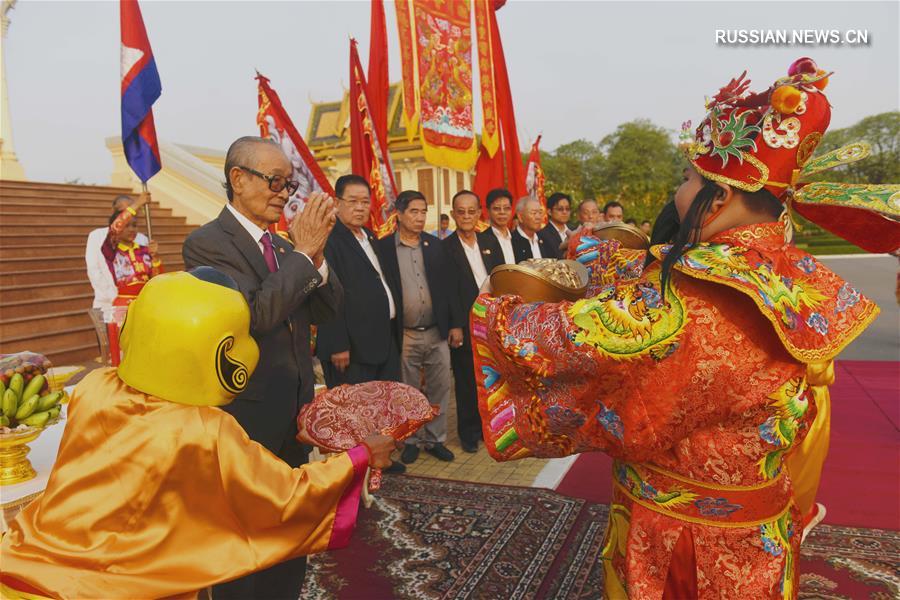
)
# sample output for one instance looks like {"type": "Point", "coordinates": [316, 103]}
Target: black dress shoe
{"type": "Point", "coordinates": [440, 452]}
{"type": "Point", "coordinates": [395, 468]}
{"type": "Point", "coordinates": [410, 453]}
{"type": "Point", "coordinates": [470, 447]}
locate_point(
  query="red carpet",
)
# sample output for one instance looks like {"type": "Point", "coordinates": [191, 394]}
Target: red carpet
{"type": "Point", "coordinates": [861, 482]}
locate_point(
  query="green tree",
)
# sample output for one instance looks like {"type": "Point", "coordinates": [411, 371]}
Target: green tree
{"type": "Point", "coordinates": [641, 168]}
{"type": "Point", "coordinates": [572, 168]}
{"type": "Point", "coordinates": [883, 166]}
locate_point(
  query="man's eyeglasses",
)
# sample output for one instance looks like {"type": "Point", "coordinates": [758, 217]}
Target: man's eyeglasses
{"type": "Point", "coordinates": [276, 182]}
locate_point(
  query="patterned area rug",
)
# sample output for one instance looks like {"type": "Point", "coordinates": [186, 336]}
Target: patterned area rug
{"type": "Point", "coordinates": [433, 538]}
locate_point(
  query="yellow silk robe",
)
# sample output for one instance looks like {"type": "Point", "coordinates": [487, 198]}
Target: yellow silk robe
{"type": "Point", "coordinates": [151, 499]}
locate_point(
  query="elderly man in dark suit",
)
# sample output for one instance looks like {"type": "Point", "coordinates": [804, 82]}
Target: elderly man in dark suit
{"type": "Point", "coordinates": [474, 256]}
{"type": "Point", "coordinates": [288, 288]}
{"type": "Point", "coordinates": [429, 317]}
{"type": "Point", "coordinates": [525, 239]}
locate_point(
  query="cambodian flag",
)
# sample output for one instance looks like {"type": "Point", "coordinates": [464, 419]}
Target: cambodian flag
{"type": "Point", "coordinates": [140, 89]}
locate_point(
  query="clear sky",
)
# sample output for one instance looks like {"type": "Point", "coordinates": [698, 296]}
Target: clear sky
{"type": "Point", "coordinates": [577, 69]}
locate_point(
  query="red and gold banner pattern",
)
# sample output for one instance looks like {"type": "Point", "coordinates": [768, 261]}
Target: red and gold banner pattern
{"type": "Point", "coordinates": [443, 39]}
{"type": "Point", "coordinates": [406, 34]}
{"type": "Point", "coordinates": [490, 133]}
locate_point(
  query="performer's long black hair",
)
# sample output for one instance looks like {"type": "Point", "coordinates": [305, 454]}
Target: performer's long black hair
{"type": "Point", "coordinates": [688, 231]}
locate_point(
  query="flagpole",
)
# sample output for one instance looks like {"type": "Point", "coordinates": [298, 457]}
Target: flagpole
{"type": "Point", "coordinates": [146, 192]}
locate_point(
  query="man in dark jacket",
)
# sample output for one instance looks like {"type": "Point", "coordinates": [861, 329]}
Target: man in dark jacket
{"type": "Point", "coordinates": [288, 288]}
{"type": "Point", "coordinates": [474, 256]}
{"type": "Point", "coordinates": [525, 239]}
{"type": "Point", "coordinates": [429, 317]}
{"type": "Point", "coordinates": [359, 345]}
{"type": "Point", "coordinates": [559, 207]}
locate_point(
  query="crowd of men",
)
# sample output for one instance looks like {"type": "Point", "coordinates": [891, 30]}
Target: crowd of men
{"type": "Point", "coordinates": [406, 298]}
{"type": "Point", "coordinates": [392, 309]}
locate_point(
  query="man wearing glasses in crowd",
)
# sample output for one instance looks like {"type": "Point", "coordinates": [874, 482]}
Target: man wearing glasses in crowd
{"type": "Point", "coordinates": [288, 287]}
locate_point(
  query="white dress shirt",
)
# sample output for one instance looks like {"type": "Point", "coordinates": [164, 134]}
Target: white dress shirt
{"type": "Point", "coordinates": [533, 240]}
{"type": "Point", "coordinates": [373, 258]}
{"type": "Point", "coordinates": [256, 233]}
{"type": "Point", "coordinates": [505, 239]}
{"type": "Point", "coordinates": [473, 255]}
{"type": "Point", "coordinates": [105, 290]}
{"type": "Point", "coordinates": [564, 231]}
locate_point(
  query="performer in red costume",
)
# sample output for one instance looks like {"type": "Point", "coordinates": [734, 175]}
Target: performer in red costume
{"type": "Point", "coordinates": [131, 264]}
{"type": "Point", "coordinates": [702, 373]}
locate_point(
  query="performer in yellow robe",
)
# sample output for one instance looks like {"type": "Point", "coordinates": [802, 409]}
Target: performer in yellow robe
{"type": "Point", "coordinates": [155, 491]}
{"type": "Point", "coordinates": [703, 374]}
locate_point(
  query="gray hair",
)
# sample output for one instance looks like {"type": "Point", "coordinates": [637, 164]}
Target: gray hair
{"type": "Point", "coordinates": [242, 153]}
{"type": "Point", "coordinates": [522, 204]}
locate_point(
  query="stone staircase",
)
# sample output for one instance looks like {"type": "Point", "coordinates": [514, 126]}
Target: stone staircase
{"type": "Point", "coordinates": [45, 294]}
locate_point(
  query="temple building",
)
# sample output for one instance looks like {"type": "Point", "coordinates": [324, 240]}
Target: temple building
{"type": "Point", "coordinates": [328, 136]}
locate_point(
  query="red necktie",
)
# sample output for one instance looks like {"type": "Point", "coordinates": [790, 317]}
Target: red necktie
{"type": "Point", "coordinates": [269, 252]}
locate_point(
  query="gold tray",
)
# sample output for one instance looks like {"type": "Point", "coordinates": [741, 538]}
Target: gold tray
{"type": "Point", "coordinates": [534, 286]}
{"type": "Point", "coordinates": [629, 235]}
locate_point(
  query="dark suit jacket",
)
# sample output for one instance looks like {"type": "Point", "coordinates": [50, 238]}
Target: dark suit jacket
{"type": "Point", "coordinates": [441, 277]}
{"type": "Point", "coordinates": [282, 307]}
{"type": "Point", "coordinates": [363, 324]}
{"type": "Point", "coordinates": [466, 287]}
{"type": "Point", "coordinates": [522, 247]}
{"type": "Point", "coordinates": [490, 241]}
{"type": "Point", "coordinates": [551, 236]}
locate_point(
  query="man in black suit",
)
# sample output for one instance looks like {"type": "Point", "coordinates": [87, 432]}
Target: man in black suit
{"type": "Point", "coordinates": [557, 231]}
{"type": "Point", "coordinates": [525, 239]}
{"type": "Point", "coordinates": [358, 345]}
{"type": "Point", "coordinates": [474, 256]}
{"type": "Point", "coordinates": [429, 317]}
{"type": "Point", "coordinates": [288, 288]}
{"type": "Point", "coordinates": [499, 207]}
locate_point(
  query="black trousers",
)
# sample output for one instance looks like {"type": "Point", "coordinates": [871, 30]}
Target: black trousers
{"type": "Point", "coordinates": [283, 581]}
{"type": "Point", "coordinates": [357, 372]}
{"type": "Point", "coordinates": [468, 421]}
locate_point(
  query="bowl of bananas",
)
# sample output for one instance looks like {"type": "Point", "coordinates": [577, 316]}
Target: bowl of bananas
{"type": "Point", "coordinates": [541, 280]}
{"type": "Point", "coordinates": [29, 403]}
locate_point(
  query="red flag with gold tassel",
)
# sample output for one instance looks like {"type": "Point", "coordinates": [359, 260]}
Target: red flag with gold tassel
{"type": "Point", "coordinates": [275, 124]}
{"type": "Point", "coordinates": [378, 80]}
{"type": "Point", "coordinates": [368, 153]}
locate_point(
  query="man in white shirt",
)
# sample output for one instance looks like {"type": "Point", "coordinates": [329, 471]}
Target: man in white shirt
{"type": "Point", "coordinates": [474, 256]}
{"type": "Point", "coordinates": [101, 279]}
{"type": "Point", "coordinates": [499, 207]}
{"type": "Point", "coordinates": [525, 239]}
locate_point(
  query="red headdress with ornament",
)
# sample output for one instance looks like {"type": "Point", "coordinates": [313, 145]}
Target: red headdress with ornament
{"type": "Point", "coordinates": [766, 140]}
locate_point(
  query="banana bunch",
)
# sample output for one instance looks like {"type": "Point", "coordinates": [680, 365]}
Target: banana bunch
{"type": "Point", "coordinates": [30, 404]}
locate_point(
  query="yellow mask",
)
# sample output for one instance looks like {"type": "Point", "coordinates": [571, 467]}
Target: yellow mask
{"type": "Point", "coordinates": [186, 339]}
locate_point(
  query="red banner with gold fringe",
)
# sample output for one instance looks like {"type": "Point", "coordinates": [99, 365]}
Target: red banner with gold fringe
{"type": "Point", "coordinates": [490, 132]}
{"type": "Point", "coordinates": [406, 34]}
{"type": "Point", "coordinates": [443, 49]}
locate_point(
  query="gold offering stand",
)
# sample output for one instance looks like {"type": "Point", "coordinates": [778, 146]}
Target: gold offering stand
{"type": "Point", "coordinates": [14, 464]}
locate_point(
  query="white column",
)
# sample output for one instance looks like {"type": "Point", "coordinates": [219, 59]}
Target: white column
{"type": "Point", "coordinates": [9, 164]}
